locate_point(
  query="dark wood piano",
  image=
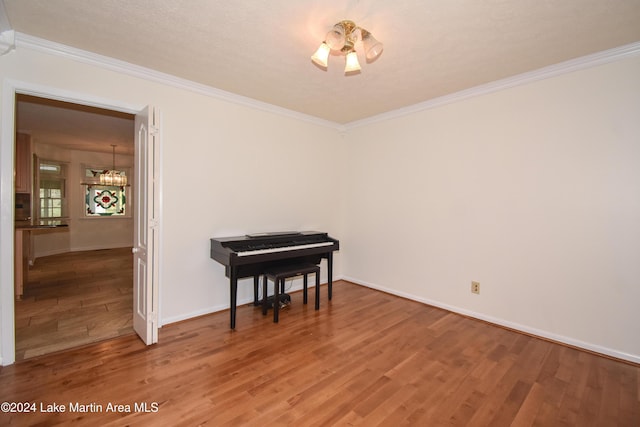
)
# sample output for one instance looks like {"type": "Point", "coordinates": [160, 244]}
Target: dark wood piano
{"type": "Point", "coordinates": [252, 254]}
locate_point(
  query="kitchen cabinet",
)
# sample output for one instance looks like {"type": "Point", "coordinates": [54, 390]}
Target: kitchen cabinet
{"type": "Point", "coordinates": [23, 163]}
{"type": "Point", "coordinates": [22, 248]}
{"type": "Point", "coordinates": [21, 260]}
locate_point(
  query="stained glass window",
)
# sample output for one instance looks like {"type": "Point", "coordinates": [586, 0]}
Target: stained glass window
{"type": "Point", "coordinates": [104, 200]}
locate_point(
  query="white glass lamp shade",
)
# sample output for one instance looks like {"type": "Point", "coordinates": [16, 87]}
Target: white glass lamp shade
{"type": "Point", "coordinates": [322, 55]}
{"type": "Point", "coordinates": [336, 37]}
{"type": "Point", "coordinates": [355, 36]}
{"type": "Point", "coordinates": [352, 62]}
{"type": "Point", "coordinates": [372, 47]}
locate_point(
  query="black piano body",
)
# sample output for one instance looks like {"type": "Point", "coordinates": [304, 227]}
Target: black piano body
{"type": "Point", "coordinates": [251, 255]}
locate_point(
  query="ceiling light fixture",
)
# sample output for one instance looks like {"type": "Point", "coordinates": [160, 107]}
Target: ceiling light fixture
{"type": "Point", "coordinates": [342, 38]}
{"type": "Point", "coordinates": [113, 177]}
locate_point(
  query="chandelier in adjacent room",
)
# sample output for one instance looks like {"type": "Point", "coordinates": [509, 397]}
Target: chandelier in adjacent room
{"type": "Point", "coordinates": [113, 177]}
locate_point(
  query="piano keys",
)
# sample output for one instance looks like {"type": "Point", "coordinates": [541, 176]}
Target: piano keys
{"type": "Point", "coordinates": [251, 255]}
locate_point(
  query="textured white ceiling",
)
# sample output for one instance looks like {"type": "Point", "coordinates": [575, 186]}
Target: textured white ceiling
{"type": "Point", "coordinates": [261, 48]}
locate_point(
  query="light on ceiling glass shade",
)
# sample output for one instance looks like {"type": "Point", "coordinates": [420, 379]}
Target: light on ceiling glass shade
{"type": "Point", "coordinates": [352, 62]}
{"type": "Point", "coordinates": [372, 47]}
{"type": "Point", "coordinates": [322, 55]}
{"type": "Point", "coordinates": [343, 39]}
{"type": "Point", "coordinates": [336, 37]}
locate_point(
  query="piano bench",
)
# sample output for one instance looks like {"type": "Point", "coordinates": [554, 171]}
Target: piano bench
{"type": "Point", "coordinates": [278, 276]}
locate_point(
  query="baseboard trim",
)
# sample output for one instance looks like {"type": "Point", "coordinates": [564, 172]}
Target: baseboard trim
{"type": "Point", "coordinates": [550, 336]}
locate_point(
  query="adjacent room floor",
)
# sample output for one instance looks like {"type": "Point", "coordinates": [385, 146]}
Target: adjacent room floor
{"type": "Point", "coordinates": [75, 299]}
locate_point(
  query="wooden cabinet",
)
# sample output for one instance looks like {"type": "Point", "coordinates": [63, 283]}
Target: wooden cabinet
{"type": "Point", "coordinates": [21, 260]}
{"type": "Point", "coordinates": [23, 163]}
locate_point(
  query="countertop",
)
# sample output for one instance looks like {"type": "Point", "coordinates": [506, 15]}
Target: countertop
{"type": "Point", "coordinates": [40, 224]}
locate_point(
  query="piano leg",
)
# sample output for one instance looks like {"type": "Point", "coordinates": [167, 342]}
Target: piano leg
{"type": "Point", "coordinates": [317, 290]}
{"type": "Point", "coordinates": [256, 279]}
{"type": "Point", "coordinates": [276, 299]}
{"type": "Point", "coordinates": [330, 274]}
{"type": "Point", "coordinates": [304, 289]}
{"type": "Point", "coordinates": [233, 284]}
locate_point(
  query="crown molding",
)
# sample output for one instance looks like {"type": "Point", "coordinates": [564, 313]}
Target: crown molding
{"type": "Point", "coordinates": [49, 47]}
{"type": "Point", "coordinates": [588, 61]}
{"type": "Point", "coordinates": [7, 41]}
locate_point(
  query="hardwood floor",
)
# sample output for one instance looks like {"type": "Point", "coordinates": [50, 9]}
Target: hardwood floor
{"type": "Point", "coordinates": [73, 299]}
{"type": "Point", "coordinates": [365, 358]}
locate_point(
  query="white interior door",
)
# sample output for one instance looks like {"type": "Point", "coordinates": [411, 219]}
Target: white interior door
{"type": "Point", "coordinates": [146, 212]}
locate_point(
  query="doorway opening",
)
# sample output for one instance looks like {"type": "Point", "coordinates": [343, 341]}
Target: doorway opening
{"type": "Point", "coordinates": [78, 277]}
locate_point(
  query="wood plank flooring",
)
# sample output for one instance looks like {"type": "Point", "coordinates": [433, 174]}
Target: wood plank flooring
{"type": "Point", "coordinates": [74, 299]}
{"type": "Point", "coordinates": [366, 358]}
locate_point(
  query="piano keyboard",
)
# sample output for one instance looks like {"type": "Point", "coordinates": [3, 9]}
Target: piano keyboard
{"type": "Point", "coordinates": [283, 249]}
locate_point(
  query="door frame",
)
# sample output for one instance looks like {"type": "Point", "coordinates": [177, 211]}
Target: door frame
{"type": "Point", "coordinates": [10, 89]}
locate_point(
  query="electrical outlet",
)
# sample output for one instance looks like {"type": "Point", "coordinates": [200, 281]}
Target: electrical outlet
{"type": "Point", "coordinates": [475, 287]}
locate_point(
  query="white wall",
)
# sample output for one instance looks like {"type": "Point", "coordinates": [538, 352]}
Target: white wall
{"type": "Point", "coordinates": [231, 171]}
{"type": "Point", "coordinates": [533, 191]}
